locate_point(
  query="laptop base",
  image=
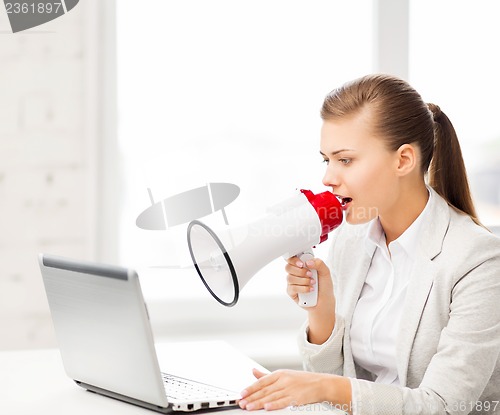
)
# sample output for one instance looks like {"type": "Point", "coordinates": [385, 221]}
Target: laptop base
{"type": "Point", "coordinates": [142, 404]}
{"type": "Point", "coordinates": [114, 395]}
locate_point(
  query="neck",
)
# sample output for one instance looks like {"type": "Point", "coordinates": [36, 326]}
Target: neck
{"type": "Point", "coordinates": [407, 208]}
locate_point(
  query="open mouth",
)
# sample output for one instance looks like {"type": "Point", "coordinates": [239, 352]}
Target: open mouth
{"type": "Point", "coordinates": [344, 200]}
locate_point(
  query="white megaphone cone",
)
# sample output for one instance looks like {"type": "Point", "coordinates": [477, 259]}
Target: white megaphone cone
{"type": "Point", "coordinates": [226, 260]}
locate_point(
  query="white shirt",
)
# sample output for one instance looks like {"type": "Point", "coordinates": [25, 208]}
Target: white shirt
{"type": "Point", "coordinates": [376, 318]}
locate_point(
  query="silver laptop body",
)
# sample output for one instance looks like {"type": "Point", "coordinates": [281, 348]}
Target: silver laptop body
{"type": "Point", "coordinates": [105, 338]}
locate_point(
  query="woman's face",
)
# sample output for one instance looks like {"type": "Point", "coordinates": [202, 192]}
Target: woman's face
{"type": "Point", "coordinates": [360, 169]}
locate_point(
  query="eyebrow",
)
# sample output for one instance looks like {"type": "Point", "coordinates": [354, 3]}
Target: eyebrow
{"type": "Point", "coordinates": [334, 153]}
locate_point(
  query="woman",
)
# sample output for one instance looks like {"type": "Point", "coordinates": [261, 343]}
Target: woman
{"type": "Point", "coordinates": [408, 312]}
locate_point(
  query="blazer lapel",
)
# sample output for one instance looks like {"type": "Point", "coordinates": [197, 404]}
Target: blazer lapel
{"type": "Point", "coordinates": [421, 280]}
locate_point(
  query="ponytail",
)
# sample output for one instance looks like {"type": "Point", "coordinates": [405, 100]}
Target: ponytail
{"type": "Point", "coordinates": [447, 174]}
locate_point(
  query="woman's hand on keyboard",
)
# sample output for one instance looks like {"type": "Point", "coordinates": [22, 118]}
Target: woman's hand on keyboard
{"type": "Point", "coordinates": [284, 388]}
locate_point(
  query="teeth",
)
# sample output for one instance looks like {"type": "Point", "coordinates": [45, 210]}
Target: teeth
{"type": "Point", "coordinates": [346, 200]}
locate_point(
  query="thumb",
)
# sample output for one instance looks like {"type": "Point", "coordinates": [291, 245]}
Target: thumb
{"type": "Point", "coordinates": [257, 373]}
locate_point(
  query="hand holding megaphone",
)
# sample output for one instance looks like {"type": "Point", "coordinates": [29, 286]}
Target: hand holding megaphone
{"type": "Point", "coordinates": [227, 259]}
{"type": "Point", "coordinates": [309, 299]}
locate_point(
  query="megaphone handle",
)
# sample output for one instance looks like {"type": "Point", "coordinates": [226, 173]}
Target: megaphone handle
{"type": "Point", "coordinates": [311, 298]}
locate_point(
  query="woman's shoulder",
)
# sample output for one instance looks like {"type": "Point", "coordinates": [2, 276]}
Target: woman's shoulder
{"type": "Point", "coordinates": [464, 235]}
{"type": "Point", "coordinates": [452, 234]}
{"type": "Point", "coordinates": [470, 257]}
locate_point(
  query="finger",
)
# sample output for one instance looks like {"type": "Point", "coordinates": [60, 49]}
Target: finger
{"type": "Point", "coordinates": [305, 281]}
{"type": "Point", "coordinates": [299, 285]}
{"type": "Point", "coordinates": [292, 294]}
{"type": "Point", "coordinates": [249, 401]}
{"type": "Point", "coordinates": [257, 373]}
{"type": "Point", "coordinates": [278, 404]}
{"type": "Point", "coordinates": [264, 381]}
{"type": "Point", "coordinates": [270, 399]}
{"type": "Point", "coordinates": [295, 261]}
{"type": "Point", "coordinates": [299, 272]}
{"type": "Point", "coordinates": [293, 290]}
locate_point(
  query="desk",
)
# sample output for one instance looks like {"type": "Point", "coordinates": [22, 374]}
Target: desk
{"type": "Point", "coordinates": [34, 383]}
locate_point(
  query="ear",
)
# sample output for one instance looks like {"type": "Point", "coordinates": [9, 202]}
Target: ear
{"type": "Point", "coordinates": [406, 159]}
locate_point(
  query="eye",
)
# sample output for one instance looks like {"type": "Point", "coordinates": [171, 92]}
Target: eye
{"type": "Point", "coordinates": [326, 161]}
{"type": "Point", "coordinates": [345, 161]}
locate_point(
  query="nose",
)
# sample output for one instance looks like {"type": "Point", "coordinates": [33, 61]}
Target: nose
{"type": "Point", "coordinates": [331, 178]}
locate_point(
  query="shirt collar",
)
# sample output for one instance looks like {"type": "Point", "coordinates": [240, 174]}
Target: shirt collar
{"type": "Point", "coordinates": [374, 236]}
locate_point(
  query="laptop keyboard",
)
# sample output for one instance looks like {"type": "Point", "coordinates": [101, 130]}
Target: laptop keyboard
{"type": "Point", "coordinates": [184, 389]}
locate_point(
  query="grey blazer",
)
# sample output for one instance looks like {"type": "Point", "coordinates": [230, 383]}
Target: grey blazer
{"type": "Point", "coordinates": [448, 348]}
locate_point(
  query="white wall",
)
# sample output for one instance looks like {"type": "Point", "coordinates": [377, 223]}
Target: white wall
{"type": "Point", "coordinates": [48, 165]}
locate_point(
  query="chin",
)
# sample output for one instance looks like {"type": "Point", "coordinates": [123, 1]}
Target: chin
{"type": "Point", "coordinates": [360, 215]}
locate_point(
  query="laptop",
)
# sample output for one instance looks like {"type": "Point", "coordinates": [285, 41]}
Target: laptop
{"type": "Point", "coordinates": [106, 342]}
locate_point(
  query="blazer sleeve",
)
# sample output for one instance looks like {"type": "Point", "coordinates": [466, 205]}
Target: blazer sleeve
{"type": "Point", "coordinates": [466, 360]}
{"type": "Point", "coordinates": [327, 357]}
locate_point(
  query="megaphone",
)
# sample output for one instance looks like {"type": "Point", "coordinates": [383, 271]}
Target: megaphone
{"type": "Point", "coordinates": [226, 260]}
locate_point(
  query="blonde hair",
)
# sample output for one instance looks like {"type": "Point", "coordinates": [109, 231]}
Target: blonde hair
{"type": "Point", "coordinates": [400, 116]}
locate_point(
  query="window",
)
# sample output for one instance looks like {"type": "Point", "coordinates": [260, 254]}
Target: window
{"type": "Point", "coordinates": [225, 91]}
{"type": "Point", "coordinates": [454, 64]}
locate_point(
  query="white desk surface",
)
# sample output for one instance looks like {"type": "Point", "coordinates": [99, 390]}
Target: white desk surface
{"type": "Point", "coordinates": [34, 382]}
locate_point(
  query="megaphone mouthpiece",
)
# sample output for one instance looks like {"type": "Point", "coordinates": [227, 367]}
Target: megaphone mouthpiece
{"type": "Point", "coordinates": [329, 211]}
